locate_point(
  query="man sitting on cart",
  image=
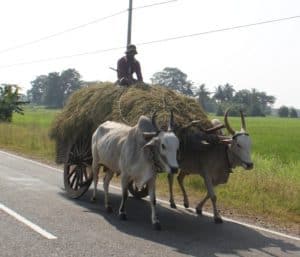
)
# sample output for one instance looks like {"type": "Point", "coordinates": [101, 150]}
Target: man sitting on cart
{"type": "Point", "coordinates": [128, 65]}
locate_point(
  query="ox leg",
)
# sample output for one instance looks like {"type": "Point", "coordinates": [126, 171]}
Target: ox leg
{"type": "Point", "coordinates": [212, 195]}
{"type": "Point", "coordinates": [180, 179]}
{"type": "Point", "coordinates": [200, 205]}
{"type": "Point", "coordinates": [154, 219]}
{"type": "Point", "coordinates": [95, 170]}
{"type": "Point", "coordinates": [107, 178]}
{"type": "Point", "coordinates": [170, 180]}
{"type": "Point", "coordinates": [124, 183]}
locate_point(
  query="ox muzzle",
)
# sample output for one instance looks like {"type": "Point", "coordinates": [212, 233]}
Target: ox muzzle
{"type": "Point", "coordinates": [248, 165]}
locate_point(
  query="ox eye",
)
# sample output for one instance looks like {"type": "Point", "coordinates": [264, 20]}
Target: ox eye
{"type": "Point", "coordinates": [163, 147]}
{"type": "Point", "coordinates": [238, 145]}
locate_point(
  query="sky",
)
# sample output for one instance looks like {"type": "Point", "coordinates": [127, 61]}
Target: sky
{"type": "Point", "coordinates": [265, 57]}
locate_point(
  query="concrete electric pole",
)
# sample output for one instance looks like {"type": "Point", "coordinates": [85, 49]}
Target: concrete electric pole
{"type": "Point", "coordinates": [129, 23]}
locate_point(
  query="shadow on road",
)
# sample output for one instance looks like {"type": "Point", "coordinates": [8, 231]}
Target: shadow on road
{"type": "Point", "coordinates": [186, 233]}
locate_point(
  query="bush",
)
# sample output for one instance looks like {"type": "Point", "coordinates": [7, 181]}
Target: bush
{"type": "Point", "coordinates": [283, 111]}
{"type": "Point", "coordinates": [293, 113]}
{"type": "Point", "coordinates": [9, 102]}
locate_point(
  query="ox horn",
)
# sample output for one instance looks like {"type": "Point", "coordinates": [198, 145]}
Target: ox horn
{"type": "Point", "coordinates": [230, 130]}
{"type": "Point", "coordinates": [214, 129]}
{"type": "Point", "coordinates": [153, 119]}
{"type": "Point", "coordinates": [209, 130]}
{"type": "Point", "coordinates": [243, 120]}
{"type": "Point", "coordinates": [192, 123]}
{"type": "Point", "coordinates": [171, 122]}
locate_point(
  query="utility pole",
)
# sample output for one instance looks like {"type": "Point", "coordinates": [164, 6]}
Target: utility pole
{"type": "Point", "coordinates": [129, 23]}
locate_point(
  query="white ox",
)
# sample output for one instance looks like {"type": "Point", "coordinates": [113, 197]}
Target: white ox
{"type": "Point", "coordinates": [137, 153]}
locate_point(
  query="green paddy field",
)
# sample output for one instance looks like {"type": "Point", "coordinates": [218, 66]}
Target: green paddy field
{"type": "Point", "coordinates": [270, 190]}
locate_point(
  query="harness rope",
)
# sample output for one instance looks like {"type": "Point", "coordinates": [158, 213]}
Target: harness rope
{"type": "Point", "coordinates": [156, 164]}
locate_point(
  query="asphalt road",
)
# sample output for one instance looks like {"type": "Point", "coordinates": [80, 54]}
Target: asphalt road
{"type": "Point", "coordinates": [82, 228]}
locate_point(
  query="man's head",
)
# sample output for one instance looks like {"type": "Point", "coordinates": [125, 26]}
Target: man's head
{"type": "Point", "coordinates": [131, 50]}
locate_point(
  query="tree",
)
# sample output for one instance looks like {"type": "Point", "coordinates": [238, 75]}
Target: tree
{"type": "Point", "coordinates": [253, 102]}
{"type": "Point", "coordinates": [219, 95]}
{"type": "Point", "coordinates": [70, 82]}
{"type": "Point", "coordinates": [293, 112]}
{"type": "Point", "coordinates": [175, 79]}
{"type": "Point", "coordinates": [37, 92]}
{"type": "Point", "coordinates": [262, 101]}
{"type": "Point", "coordinates": [54, 89]}
{"type": "Point", "coordinates": [224, 93]}
{"type": "Point", "coordinates": [242, 97]}
{"type": "Point", "coordinates": [53, 92]}
{"type": "Point", "coordinates": [9, 102]}
{"type": "Point", "coordinates": [220, 111]}
{"type": "Point", "coordinates": [283, 111]}
{"type": "Point", "coordinates": [203, 95]}
{"type": "Point", "coordinates": [255, 110]}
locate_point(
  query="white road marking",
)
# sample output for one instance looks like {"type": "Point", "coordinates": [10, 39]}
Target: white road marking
{"type": "Point", "coordinates": [28, 223]}
{"type": "Point", "coordinates": [167, 203]}
{"type": "Point", "coordinates": [31, 161]}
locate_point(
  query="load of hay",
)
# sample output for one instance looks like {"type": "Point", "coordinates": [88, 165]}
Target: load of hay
{"type": "Point", "coordinates": [88, 107]}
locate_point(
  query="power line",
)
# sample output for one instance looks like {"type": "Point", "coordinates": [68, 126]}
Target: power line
{"type": "Point", "coordinates": [151, 5]}
{"type": "Point", "coordinates": [220, 30]}
{"type": "Point", "coordinates": [153, 41]}
{"type": "Point", "coordinates": [62, 32]}
{"type": "Point", "coordinates": [62, 57]}
{"type": "Point", "coordinates": [77, 27]}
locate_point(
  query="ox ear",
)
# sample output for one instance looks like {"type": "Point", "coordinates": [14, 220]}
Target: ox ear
{"type": "Point", "coordinates": [149, 135]}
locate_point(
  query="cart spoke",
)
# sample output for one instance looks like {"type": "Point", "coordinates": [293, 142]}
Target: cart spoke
{"type": "Point", "coordinates": [72, 170]}
{"type": "Point", "coordinates": [80, 180]}
{"type": "Point", "coordinates": [85, 174]}
{"type": "Point", "coordinates": [77, 183]}
{"type": "Point", "coordinates": [73, 180]}
{"type": "Point", "coordinates": [72, 175]}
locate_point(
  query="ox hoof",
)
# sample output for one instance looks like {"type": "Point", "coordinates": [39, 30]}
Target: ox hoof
{"type": "Point", "coordinates": [157, 226]}
{"type": "Point", "coordinates": [218, 220]}
{"type": "Point", "coordinates": [186, 205]}
{"type": "Point", "coordinates": [122, 216]}
{"type": "Point", "coordinates": [199, 212]}
{"type": "Point", "coordinates": [109, 209]}
{"type": "Point", "coordinates": [173, 205]}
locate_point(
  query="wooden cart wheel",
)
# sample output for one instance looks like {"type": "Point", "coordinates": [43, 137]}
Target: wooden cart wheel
{"type": "Point", "coordinates": [143, 192]}
{"type": "Point", "coordinates": [77, 171]}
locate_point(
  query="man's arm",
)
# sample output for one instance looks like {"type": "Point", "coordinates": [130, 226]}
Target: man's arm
{"type": "Point", "coordinates": [138, 72]}
{"type": "Point", "coordinates": [121, 69]}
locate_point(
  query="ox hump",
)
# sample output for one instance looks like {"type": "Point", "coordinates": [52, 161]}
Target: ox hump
{"type": "Point", "coordinates": [144, 124]}
{"type": "Point", "coordinates": [111, 127]}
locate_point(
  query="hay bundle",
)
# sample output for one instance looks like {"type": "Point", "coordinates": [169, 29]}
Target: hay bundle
{"type": "Point", "coordinates": [88, 107]}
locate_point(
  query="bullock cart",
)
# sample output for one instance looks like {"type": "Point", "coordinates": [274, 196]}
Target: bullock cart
{"type": "Point", "coordinates": [90, 106]}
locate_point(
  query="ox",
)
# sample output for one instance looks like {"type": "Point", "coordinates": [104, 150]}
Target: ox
{"type": "Point", "coordinates": [214, 162]}
{"type": "Point", "coordinates": [137, 153]}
